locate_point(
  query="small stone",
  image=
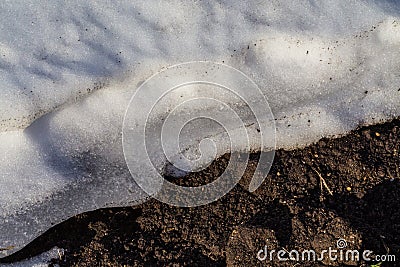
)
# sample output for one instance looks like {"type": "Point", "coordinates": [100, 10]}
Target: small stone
{"type": "Point", "coordinates": [348, 188]}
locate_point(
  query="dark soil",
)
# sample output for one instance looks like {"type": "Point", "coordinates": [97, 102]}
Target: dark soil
{"type": "Point", "coordinates": [293, 209]}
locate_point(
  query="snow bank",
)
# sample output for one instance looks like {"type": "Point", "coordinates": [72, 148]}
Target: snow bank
{"type": "Point", "coordinates": [42, 260]}
{"type": "Point", "coordinates": [325, 67]}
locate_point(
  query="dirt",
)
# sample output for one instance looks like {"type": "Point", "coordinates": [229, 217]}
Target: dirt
{"type": "Point", "coordinates": [345, 188]}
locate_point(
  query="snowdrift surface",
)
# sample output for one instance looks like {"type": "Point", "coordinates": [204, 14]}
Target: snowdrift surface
{"type": "Point", "coordinates": [68, 71]}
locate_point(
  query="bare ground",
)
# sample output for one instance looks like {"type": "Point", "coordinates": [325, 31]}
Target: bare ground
{"type": "Point", "coordinates": [346, 188]}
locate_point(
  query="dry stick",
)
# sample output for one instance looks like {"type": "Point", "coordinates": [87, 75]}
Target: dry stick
{"type": "Point", "coordinates": [384, 244]}
{"type": "Point", "coordinates": [323, 181]}
{"type": "Point", "coordinates": [7, 248]}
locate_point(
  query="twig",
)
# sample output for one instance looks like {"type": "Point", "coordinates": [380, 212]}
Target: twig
{"type": "Point", "coordinates": [7, 248]}
{"type": "Point", "coordinates": [322, 180]}
{"type": "Point", "coordinates": [384, 244]}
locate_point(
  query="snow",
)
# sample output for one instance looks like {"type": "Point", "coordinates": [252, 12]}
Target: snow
{"type": "Point", "coordinates": [69, 70]}
{"type": "Point", "coordinates": [42, 260]}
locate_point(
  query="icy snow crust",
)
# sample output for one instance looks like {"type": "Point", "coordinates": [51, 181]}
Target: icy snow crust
{"type": "Point", "coordinates": [68, 72]}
